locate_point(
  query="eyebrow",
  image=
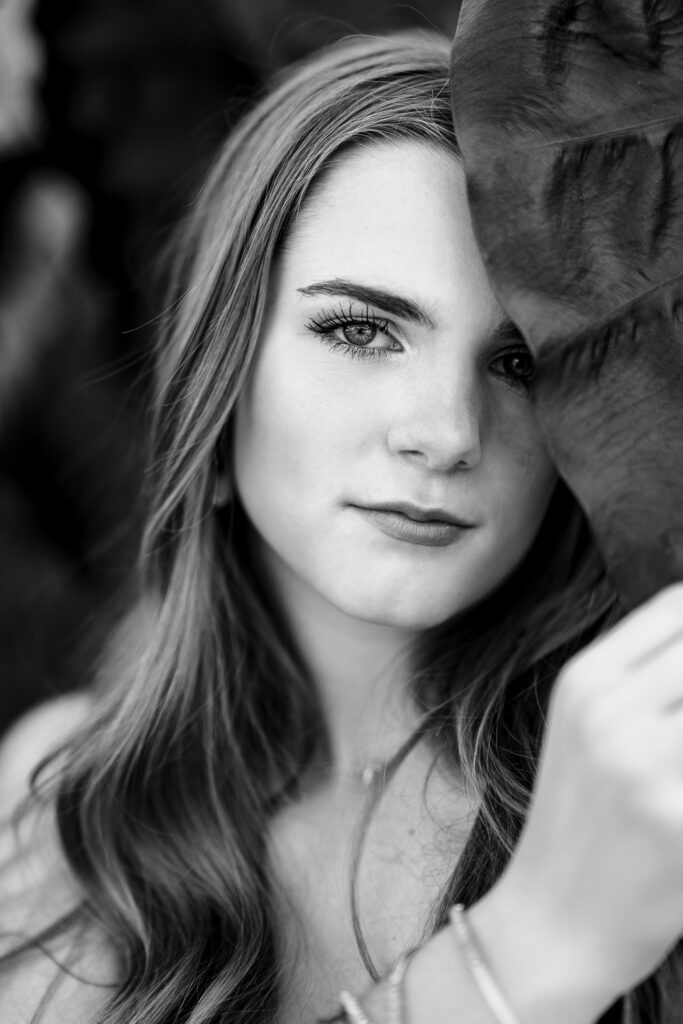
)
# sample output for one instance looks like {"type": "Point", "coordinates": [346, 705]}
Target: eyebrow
{"type": "Point", "coordinates": [397, 305]}
{"type": "Point", "coordinates": [507, 330]}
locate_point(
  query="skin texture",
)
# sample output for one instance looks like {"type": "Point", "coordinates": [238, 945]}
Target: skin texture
{"type": "Point", "coordinates": [440, 421]}
{"type": "Point", "coordinates": [437, 421]}
{"type": "Point", "coordinates": [570, 117]}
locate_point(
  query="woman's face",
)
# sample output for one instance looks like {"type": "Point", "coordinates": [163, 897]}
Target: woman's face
{"type": "Point", "coordinates": [386, 450]}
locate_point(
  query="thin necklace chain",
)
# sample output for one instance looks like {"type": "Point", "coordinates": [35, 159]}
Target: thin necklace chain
{"type": "Point", "coordinates": [369, 774]}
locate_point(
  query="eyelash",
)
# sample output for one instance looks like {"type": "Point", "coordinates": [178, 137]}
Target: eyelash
{"type": "Point", "coordinates": [329, 322]}
{"type": "Point", "coordinates": [518, 383]}
{"type": "Point", "coordinates": [325, 326]}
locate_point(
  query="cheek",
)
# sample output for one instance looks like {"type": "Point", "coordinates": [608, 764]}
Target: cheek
{"type": "Point", "coordinates": [529, 482]}
{"type": "Point", "coordinates": [267, 440]}
{"type": "Point", "coordinates": [291, 431]}
{"type": "Point", "coordinates": [521, 475]}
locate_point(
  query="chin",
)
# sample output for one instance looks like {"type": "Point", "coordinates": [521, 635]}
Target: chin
{"type": "Point", "coordinates": [406, 610]}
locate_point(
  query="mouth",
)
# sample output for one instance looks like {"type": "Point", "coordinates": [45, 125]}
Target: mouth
{"type": "Point", "coordinates": [430, 527]}
{"type": "Point", "coordinates": [419, 514]}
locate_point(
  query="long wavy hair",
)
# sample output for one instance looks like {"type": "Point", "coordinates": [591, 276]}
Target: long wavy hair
{"type": "Point", "coordinates": [163, 799]}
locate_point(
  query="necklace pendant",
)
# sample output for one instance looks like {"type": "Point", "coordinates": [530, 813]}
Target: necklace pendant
{"type": "Point", "coordinates": [371, 773]}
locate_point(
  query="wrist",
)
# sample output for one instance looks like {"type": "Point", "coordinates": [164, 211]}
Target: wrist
{"type": "Point", "coordinates": [543, 977]}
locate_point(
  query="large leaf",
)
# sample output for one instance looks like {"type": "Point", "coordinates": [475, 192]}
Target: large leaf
{"type": "Point", "coordinates": [570, 117]}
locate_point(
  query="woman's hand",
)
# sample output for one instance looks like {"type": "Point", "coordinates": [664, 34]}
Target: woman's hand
{"type": "Point", "coordinates": [593, 896]}
{"type": "Point", "coordinates": [592, 899]}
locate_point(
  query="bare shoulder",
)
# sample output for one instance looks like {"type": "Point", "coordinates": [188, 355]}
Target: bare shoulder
{"type": "Point", "coordinates": [36, 988]}
{"type": "Point", "coordinates": [32, 737]}
{"type": "Point", "coordinates": [68, 978]}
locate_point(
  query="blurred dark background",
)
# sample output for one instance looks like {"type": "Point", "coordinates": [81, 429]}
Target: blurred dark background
{"type": "Point", "coordinates": [110, 111]}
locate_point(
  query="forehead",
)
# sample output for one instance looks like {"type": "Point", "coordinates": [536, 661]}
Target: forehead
{"type": "Point", "coordinates": [393, 215]}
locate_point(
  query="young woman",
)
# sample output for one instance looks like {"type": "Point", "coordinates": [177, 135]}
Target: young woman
{"type": "Point", "coordinates": [365, 600]}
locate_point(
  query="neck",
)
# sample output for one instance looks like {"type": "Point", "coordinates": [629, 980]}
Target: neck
{"type": "Point", "coordinates": [361, 670]}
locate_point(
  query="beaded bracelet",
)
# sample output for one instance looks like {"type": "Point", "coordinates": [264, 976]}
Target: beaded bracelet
{"type": "Point", "coordinates": [481, 973]}
{"type": "Point", "coordinates": [395, 987]}
{"type": "Point", "coordinates": [353, 1011]}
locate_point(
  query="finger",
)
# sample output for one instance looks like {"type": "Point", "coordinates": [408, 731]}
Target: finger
{"type": "Point", "coordinates": [657, 683]}
{"type": "Point", "coordinates": [642, 634]}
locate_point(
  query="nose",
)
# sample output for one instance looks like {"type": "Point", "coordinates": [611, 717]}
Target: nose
{"type": "Point", "coordinates": [439, 419]}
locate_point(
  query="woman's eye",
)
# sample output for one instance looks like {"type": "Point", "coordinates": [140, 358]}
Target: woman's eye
{"type": "Point", "coordinates": [355, 335]}
{"type": "Point", "coordinates": [517, 365]}
{"type": "Point", "coordinates": [359, 333]}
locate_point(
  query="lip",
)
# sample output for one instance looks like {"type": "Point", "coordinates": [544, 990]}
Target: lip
{"type": "Point", "coordinates": [431, 527]}
{"type": "Point", "coordinates": [420, 514]}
